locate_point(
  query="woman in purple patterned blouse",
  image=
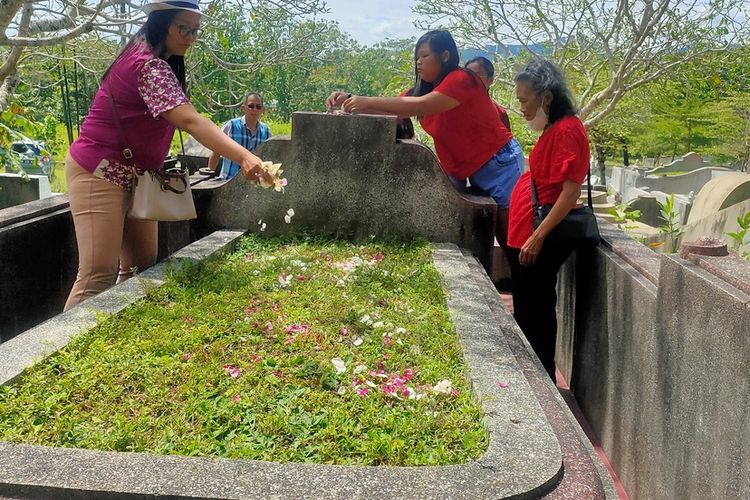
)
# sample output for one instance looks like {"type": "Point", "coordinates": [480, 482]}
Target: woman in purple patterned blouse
{"type": "Point", "coordinates": [147, 83]}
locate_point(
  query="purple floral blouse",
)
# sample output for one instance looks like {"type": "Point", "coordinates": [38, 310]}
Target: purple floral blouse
{"type": "Point", "coordinates": [161, 91]}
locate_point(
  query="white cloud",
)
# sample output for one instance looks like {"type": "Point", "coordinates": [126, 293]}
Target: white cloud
{"type": "Point", "coordinates": [371, 21]}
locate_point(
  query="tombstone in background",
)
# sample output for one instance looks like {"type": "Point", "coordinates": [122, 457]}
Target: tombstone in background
{"type": "Point", "coordinates": [688, 163]}
{"type": "Point", "coordinates": [16, 189]}
{"type": "Point", "coordinates": [348, 176]}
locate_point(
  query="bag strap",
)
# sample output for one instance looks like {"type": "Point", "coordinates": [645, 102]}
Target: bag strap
{"type": "Point", "coordinates": [126, 151]}
{"type": "Point", "coordinates": [534, 198]}
{"type": "Point", "coordinates": [588, 179]}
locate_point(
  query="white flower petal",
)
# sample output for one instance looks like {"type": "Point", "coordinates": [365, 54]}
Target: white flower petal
{"type": "Point", "coordinates": [339, 364]}
{"type": "Point", "coordinates": [290, 212]}
{"type": "Point", "coordinates": [357, 341]}
{"type": "Point", "coordinates": [287, 219]}
{"type": "Point", "coordinates": [359, 369]}
{"type": "Point", "coordinates": [443, 387]}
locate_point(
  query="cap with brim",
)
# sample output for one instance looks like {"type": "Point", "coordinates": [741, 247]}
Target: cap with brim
{"type": "Point", "coordinates": [190, 6]}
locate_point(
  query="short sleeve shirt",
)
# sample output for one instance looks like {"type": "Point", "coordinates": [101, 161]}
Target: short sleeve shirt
{"type": "Point", "coordinates": [143, 87]}
{"type": "Point", "coordinates": [560, 154]}
{"type": "Point", "coordinates": [467, 136]}
{"type": "Point", "coordinates": [238, 131]}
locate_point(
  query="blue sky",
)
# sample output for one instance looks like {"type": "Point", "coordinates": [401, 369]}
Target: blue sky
{"type": "Point", "coordinates": [370, 21]}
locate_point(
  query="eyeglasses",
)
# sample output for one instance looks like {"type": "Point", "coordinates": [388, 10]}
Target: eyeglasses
{"type": "Point", "coordinates": [252, 105]}
{"type": "Point", "coordinates": [187, 31]}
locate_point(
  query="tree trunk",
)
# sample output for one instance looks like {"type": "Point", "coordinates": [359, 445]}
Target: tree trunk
{"type": "Point", "coordinates": [7, 89]}
{"type": "Point", "coordinates": [602, 168]}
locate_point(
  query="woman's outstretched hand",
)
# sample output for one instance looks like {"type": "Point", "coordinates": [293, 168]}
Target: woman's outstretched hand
{"type": "Point", "coordinates": [357, 104]}
{"type": "Point", "coordinates": [252, 169]}
{"type": "Point", "coordinates": [336, 99]}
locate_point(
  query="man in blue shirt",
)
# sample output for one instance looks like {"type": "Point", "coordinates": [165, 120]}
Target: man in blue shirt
{"type": "Point", "coordinates": [246, 130]}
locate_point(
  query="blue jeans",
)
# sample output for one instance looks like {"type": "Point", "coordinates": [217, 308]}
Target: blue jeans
{"type": "Point", "coordinates": [498, 176]}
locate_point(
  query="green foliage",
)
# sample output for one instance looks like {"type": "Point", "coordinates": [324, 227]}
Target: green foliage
{"type": "Point", "coordinates": [235, 358]}
{"type": "Point", "coordinates": [671, 228]}
{"type": "Point", "coordinates": [15, 125]}
{"type": "Point", "coordinates": [623, 216]}
{"type": "Point", "coordinates": [742, 236]}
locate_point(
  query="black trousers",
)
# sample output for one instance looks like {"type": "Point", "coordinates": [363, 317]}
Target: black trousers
{"type": "Point", "coordinates": [535, 300]}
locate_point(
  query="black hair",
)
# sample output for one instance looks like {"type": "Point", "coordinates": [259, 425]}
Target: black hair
{"type": "Point", "coordinates": [485, 63]}
{"type": "Point", "coordinates": [252, 94]}
{"type": "Point", "coordinates": [154, 32]}
{"type": "Point", "coordinates": [404, 128]}
{"type": "Point", "coordinates": [543, 75]}
{"type": "Point", "coordinates": [439, 41]}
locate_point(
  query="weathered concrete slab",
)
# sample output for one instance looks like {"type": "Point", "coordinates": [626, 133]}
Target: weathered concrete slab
{"type": "Point", "coordinates": [350, 177]}
{"type": "Point", "coordinates": [523, 459]}
{"type": "Point", "coordinates": [659, 367]}
{"type": "Point", "coordinates": [16, 189]}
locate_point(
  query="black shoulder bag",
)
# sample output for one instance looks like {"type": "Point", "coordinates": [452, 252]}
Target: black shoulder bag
{"type": "Point", "coordinates": [578, 229]}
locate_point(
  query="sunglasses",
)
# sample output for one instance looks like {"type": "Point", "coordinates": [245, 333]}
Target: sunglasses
{"type": "Point", "coordinates": [252, 105]}
{"type": "Point", "coordinates": [187, 31]}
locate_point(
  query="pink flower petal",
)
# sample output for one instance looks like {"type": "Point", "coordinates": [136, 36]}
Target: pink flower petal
{"type": "Point", "coordinates": [503, 385]}
{"type": "Point", "coordinates": [362, 392]}
{"type": "Point", "coordinates": [378, 256]}
{"type": "Point", "coordinates": [343, 331]}
{"type": "Point", "coordinates": [255, 359]}
{"type": "Point", "coordinates": [186, 356]}
{"type": "Point", "coordinates": [267, 327]}
{"type": "Point", "coordinates": [236, 398]}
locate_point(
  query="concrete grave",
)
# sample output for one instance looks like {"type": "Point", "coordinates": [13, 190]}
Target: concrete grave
{"type": "Point", "coordinates": [349, 177]}
{"type": "Point", "coordinates": [689, 162]}
{"type": "Point", "coordinates": [523, 460]}
{"type": "Point", "coordinates": [16, 189]}
{"type": "Point", "coordinates": [657, 358]}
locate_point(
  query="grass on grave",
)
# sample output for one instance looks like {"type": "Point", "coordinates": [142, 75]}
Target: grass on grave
{"type": "Point", "coordinates": [238, 358]}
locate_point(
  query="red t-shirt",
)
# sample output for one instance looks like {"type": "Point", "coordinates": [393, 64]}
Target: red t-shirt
{"type": "Point", "coordinates": [560, 154]}
{"type": "Point", "coordinates": [469, 134]}
{"type": "Point", "coordinates": [503, 115]}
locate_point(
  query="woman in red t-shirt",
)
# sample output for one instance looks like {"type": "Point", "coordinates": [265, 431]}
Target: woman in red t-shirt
{"type": "Point", "coordinates": [454, 107]}
{"type": "Point", "coordinates": [558, 165]}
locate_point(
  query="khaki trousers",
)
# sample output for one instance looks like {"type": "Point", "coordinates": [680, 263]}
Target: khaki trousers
{"type": "Point", "coordinates": [107, 240]}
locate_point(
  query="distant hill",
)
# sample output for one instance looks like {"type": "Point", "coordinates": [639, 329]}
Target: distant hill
{"type": "Point", "coordinates": [489, 50]}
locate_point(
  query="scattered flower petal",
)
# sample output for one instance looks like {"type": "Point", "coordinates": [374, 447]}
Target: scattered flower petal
{"type": "Point", "coordinates": [186, 356]}
{"type": "Point", "coordinates": [443, 387]}
{"type": "Point", "coordinates": [236, 398]}
{"type": "Point", "coordinates": [357, 341]}
{"type": "Point", "coordinates": [232, 371]}
{"type": "Point", "coordinates": [503, 385]}
{"type": "Point", "coordinates": [339, 364]}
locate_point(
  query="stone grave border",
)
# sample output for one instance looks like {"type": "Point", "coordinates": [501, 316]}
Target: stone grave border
{"type": "Point", "coordinates": [523, 459]}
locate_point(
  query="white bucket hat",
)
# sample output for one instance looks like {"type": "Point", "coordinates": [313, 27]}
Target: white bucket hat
{"type": "Point", "coordinates": [189, 5]}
